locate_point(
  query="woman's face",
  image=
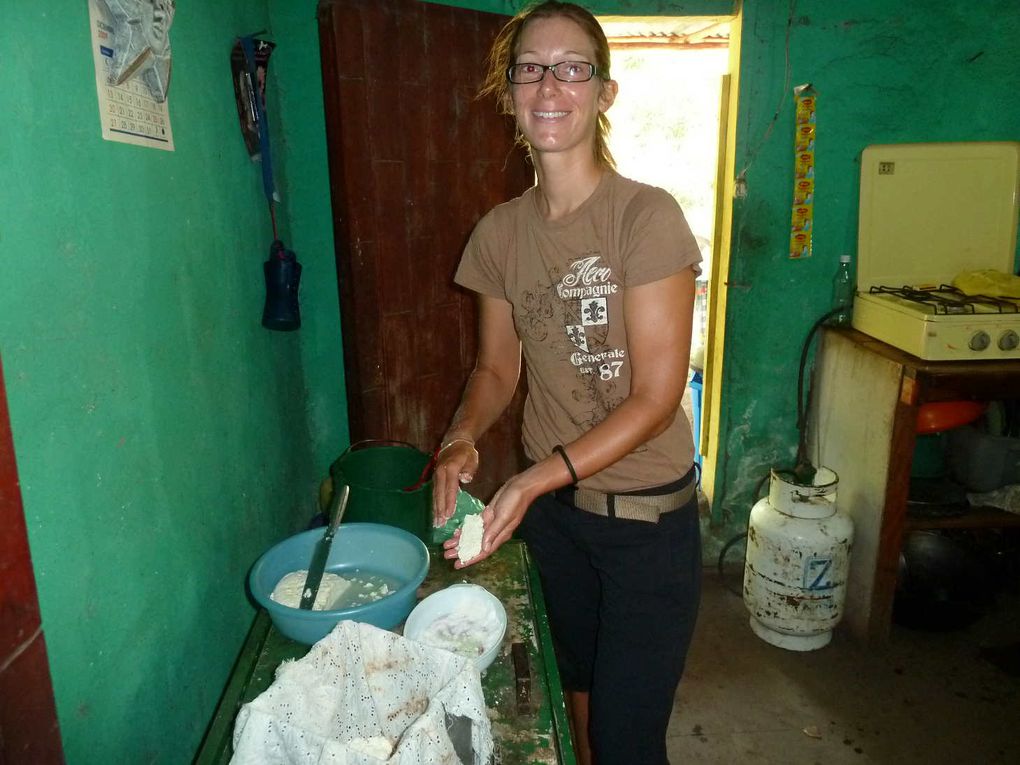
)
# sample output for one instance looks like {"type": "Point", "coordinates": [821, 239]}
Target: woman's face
{"type": "Point", "coordinates": [557, 116]}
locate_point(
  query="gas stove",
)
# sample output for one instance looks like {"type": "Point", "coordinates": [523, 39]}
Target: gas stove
{"type": "Point", "coordinates": [940, 323]}
{"type": "Point", "coordinates": [947, 300]}
{"type": "Point", "coordinates": [929, 212]}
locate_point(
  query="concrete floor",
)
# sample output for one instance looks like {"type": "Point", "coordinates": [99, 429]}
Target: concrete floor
{"type": "Point", "coordinates": [924, 698]}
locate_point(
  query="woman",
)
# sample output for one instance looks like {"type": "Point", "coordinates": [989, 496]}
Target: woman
{"type": "Point", "coordinates": [593, 276]}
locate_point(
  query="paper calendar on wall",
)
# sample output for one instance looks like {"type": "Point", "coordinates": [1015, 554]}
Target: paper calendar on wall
{"type": "Point", "coordinates": [129, 86]}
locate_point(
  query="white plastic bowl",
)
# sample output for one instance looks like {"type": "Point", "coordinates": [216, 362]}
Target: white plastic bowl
{"type": "Point", "coordinates": [459, 618]}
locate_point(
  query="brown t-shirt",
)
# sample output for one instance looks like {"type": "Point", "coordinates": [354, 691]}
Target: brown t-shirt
{"type": "Point", "coordinates": [566, 279]}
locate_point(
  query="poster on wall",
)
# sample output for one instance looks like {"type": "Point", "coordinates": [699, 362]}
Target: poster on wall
{"type": "Point", "coordinates": [131, 53]}
{"type": "Point", "coordinates": [802, 223]}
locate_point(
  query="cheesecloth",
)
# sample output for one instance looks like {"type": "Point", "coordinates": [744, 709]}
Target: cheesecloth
{"type": "Point", "coordinates": [356, 684]}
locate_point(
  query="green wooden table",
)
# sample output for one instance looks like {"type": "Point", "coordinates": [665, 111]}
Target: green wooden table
{"type": "Point", "coordinates": [522, 686]}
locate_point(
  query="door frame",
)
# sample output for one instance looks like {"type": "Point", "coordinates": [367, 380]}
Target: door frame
{"type": "Point", "coordinates": [721, 247]}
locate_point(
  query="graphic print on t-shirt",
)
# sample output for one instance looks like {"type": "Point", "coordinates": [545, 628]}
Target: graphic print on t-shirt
{"type": "Point", "coordinates": [584, 290]}
{"type": "Point", "coordinates": [594, 312]}
{"type": "Point", "coordinates": [578, 336]}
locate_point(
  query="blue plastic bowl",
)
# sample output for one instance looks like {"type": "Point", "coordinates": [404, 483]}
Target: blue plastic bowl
{"type": "Point", "coordinates": [372, 548]}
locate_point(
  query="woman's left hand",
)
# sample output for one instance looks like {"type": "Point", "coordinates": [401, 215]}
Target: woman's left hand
{"type": "Point", "coordinates": [500, 517]}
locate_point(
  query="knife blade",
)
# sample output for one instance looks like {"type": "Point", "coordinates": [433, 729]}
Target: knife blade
{"type": "Point", "coordinates": [321, 552]}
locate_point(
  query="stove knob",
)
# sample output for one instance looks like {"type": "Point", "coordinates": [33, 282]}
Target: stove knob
{"type": "Point", "coordinates": [1009, 340]}
{"type": "Point", "coordinates": [979, 340]}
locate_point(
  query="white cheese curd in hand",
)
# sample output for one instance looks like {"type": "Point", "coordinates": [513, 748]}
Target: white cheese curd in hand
{"type": "Point", "coordinates": [469, 546]}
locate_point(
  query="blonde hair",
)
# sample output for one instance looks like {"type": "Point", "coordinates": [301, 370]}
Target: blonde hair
{"type": "Point", "coordinates": [504, 53]}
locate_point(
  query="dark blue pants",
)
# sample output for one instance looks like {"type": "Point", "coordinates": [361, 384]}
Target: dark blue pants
{"type": "Point", "coordinates": [622, 598]}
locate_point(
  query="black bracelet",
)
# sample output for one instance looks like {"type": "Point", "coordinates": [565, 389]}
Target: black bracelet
{"type": "Point", "coordinates": [563, 453]}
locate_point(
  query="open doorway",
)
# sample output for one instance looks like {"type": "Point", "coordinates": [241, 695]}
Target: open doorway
{"type": "Point", "coordinates": [666, 132]}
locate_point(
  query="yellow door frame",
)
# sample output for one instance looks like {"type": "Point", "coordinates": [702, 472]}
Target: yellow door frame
{"type": "Point", "coordinates": [722, 241]}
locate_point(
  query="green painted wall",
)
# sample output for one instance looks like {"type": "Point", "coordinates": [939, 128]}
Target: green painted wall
{"type": "Point", "coordinates": [886, 71]}
{"type": "Point", "coordinates": [163, 438]}
{"type": "Point", "coordinates": [302, 152]}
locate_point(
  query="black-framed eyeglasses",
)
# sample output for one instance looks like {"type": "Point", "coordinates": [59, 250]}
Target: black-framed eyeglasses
{"type": "Point", "coordinates": [564, 71]}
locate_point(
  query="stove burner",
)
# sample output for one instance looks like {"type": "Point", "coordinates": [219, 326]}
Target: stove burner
{"type": "Point", "coordinates": [946, 299]}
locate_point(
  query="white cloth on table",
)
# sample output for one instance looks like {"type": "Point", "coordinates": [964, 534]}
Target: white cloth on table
{"type": "Point", "coordinates": [355, 685]}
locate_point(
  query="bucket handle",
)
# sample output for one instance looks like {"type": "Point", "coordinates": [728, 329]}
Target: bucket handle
{"type": "Point", "coordinates": [395, 442]}
{"type": "Point", "coordinates": [375, 442]}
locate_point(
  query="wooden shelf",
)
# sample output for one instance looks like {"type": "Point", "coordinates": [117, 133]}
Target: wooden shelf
{"type": "Point", "coordinates": [865, 405]}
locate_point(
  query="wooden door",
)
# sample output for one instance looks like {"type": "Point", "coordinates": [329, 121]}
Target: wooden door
{"type": "Point", "coordinates": [28, 715]}
{"type": "Point", "coordinates": [415, 160]}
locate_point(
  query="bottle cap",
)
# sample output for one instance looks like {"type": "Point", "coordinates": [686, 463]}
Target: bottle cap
{"type": "Point", "coordinates": [844, 258]}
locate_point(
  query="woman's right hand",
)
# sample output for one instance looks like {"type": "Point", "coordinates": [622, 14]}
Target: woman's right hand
{"type": "Point", "coordinates": [500, 518]}
{"type": "Point", "coordinates": [455, 464]}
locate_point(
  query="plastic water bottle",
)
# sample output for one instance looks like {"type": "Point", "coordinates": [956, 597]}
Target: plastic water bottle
{"type": "Point", "coordinates": [843, 292]}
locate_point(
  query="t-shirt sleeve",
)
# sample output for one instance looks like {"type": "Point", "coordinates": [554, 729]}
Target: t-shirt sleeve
{"type": "Point", "coordinates": [658, 242]}
{"type": "Point", "coordinates": [483, 264]}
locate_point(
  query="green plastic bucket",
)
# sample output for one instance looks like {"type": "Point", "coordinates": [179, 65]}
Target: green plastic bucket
{"type": "Point", "coordinates": [386, 485]}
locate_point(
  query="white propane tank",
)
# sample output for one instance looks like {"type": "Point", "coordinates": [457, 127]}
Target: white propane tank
{"type": "Point", "coordinates": [798, 560]}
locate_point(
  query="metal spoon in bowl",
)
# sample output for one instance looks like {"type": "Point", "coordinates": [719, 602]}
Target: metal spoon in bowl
{"type": "Point", "coordinates": [321, 551]}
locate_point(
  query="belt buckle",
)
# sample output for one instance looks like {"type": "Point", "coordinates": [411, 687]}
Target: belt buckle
{"type": "Point", "coordinates": [636, 508]}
